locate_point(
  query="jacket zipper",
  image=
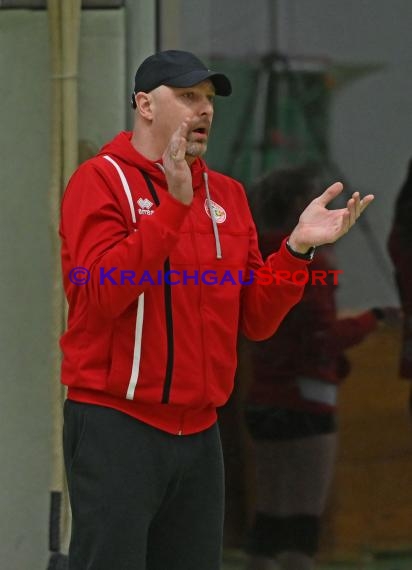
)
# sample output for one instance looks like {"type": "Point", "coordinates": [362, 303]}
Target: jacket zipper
{"type": "Point", "coordinates": [168, 310]}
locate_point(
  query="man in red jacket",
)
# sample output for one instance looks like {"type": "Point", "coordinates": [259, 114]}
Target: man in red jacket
{"type": "Point", "coordinates": [166, 249]}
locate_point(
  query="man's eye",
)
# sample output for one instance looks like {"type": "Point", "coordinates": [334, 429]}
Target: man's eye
{"type": "Point", "coordinates": [189, 95]}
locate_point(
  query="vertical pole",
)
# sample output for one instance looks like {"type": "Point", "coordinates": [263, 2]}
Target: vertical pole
{"type": "Point", "coordinates": [64, 29]}
{"type": "Point", "coordinates": [141, 31]}
{"type": "Point", "coordinates": [158, 25]}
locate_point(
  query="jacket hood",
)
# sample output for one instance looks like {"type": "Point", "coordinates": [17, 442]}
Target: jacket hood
{"type": "Point", "coordinates": [121, 148]}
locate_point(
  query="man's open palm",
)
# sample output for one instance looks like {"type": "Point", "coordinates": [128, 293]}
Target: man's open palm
{"type": "Point", "coordinates": [318, 225]}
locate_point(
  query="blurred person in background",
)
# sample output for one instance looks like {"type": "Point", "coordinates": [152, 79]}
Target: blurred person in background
{"type": "Point", "coordinates": [291, 407]}
{"type": "Point", "coordinates": [400, 250]}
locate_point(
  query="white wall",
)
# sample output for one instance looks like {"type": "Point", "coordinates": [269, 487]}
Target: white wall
{"type": "Point", "coordinates": [25, 254]}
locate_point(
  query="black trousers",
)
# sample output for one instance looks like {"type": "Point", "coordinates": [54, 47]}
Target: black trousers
{"type": "Point", "coordinates": [141, 499]}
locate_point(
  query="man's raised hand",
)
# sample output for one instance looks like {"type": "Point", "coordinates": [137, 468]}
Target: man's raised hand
{"type": "Point", "coordinates": [177, 171]}
{"type": "Point", "coordinates": [317, 225]}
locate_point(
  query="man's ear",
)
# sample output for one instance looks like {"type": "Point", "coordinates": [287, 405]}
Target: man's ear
{"type": "Point", "coordinates": [144, 105]}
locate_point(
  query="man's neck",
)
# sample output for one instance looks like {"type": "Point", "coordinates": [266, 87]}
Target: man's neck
{"type": "Point", "coordinates": [145, 146]}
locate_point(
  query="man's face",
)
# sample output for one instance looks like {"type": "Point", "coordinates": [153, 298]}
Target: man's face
{"type": "Point", "coordinates": [172, 105]}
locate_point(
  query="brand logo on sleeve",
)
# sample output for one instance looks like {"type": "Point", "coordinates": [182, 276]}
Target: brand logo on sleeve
{"type": "Point", "coordinates": [145, 206]}
{"type": "Point", "coordinates": [218, 212]}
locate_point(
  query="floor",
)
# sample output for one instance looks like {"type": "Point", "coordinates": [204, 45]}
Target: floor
{"type": "Point", "coordinates": [401, 561]}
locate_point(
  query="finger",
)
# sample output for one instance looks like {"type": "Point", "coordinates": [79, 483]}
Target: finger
{"type": "Point", "coordinates": [330, 193]}
{"type": "Point", "coordinates": [351, 208]}
{"type": "Point", "coordinates": [354, 207]}
{"type": "Point", "coordinates": [181, 132]}
{"type": "Point", "coordinates": [364, 203]}
{"type": "Point", "coordinates": [185, 127]}
{"type": "Point", "coordinates": [356, 197]}
{"type": "Point", "coordinates": [177, 150]}
{"type": "Point", "coordinates": [343, 224]}
{"type": "Point", "coordinates": [346, 223]}
{"type": "Point", "coordinates": [177, 147]}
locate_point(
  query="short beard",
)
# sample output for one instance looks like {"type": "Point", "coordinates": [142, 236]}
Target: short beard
{"type": "Point", "coordinates": [196, 149]}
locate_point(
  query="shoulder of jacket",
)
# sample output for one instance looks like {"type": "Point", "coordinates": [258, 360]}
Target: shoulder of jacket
{"type": "Point", "coordinates": [96, 174]}
{"type": "Point", "coordinates": [88, 167]}
{"type": "Point", "coordinates": [102, 165]}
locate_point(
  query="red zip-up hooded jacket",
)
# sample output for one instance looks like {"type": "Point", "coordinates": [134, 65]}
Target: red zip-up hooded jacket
{"type": "Point", "coordinates": [163, 353]}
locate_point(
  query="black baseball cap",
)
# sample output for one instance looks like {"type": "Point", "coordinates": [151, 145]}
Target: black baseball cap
{"type": "Point", "coordinates": [176, 68]}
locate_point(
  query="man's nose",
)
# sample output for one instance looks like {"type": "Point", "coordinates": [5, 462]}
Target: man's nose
{"type": "Point", "coordinates": [207, 107]}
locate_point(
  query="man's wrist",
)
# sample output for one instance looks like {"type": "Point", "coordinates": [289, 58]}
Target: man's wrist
{"type": "Point", "coordinates": [306, 255]}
